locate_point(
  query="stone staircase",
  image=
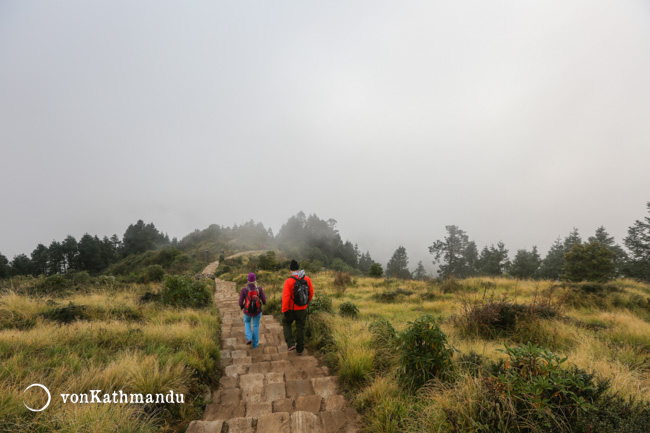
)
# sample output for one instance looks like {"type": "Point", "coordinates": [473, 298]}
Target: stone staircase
{"type": "Point", "coordinates": [268, 389]}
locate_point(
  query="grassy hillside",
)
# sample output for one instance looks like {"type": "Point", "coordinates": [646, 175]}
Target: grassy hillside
{"type": "Point", "coordinates": [102, 335]}
{"type": "Point", "coordinates": [362, 326]}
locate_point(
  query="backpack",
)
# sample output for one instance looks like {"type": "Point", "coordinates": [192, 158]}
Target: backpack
{"type": "Point", "coordinates": [252, 303]}
{"type": "Point", "coordinates": [300, 292]}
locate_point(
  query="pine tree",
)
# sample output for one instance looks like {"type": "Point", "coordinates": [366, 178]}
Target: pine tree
{"type": "Point", "coordinates": [397, 266]}
{"type": "Point", "coordinates": [637, 242]}
{"type": "Point", "coordinates": [526, 264]}
{"type": "Point", "coordinates": [553, 264]}
{"type": "Point", "coordinates": [376, 271]}
{"type": "Point", "coordinates": [39, 260]}
{"type": "Point", "coordinates": [5, 270]}
{"type": "Point", "coordinates": [592, 262]}
{"type": "Point", "coordinates": [420, 273]}
{"type": "Point", "coordinates": [493, 260]}
{"type": "Point", "coordinates": [452, 252]}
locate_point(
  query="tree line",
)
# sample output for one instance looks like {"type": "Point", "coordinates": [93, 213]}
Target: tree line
{"type": "Point", "coordinates": [318, 242]}
{"type": "Point", "coordinates": [570, 258]}
{"type": "Point", "coordinates": [90, 253]}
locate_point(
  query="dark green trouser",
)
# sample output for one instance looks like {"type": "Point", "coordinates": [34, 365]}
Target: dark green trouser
{"type": "Point", "coordinates": [300, 317]}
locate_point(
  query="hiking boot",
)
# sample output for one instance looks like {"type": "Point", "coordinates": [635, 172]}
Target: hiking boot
{"type": "Point", "coordinates": [291, 348]}
{"type": "Point", "coordinates": [249, 342]}
{"type": "Point", "coordinates": [299, 353]}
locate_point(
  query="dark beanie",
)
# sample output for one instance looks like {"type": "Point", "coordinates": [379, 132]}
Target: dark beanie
{"type": "Point", "coordinates": [294, 265]}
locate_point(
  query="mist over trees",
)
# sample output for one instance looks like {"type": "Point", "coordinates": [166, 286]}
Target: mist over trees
{"type": "Point", "coordinates": [317, 241]}
{"type": "Point", "coordinates": [599, 259]}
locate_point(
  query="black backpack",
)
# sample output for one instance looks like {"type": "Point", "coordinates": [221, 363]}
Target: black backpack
{"type": "Point", "coordinates": [300, 292]}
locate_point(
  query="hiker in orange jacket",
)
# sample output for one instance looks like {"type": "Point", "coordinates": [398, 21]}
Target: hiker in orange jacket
{"type": "Point", "coordinates": [293, 312]}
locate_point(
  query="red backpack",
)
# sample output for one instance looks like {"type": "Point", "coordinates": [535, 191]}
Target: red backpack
{"type": "Point", "coordinates": [252, 303]}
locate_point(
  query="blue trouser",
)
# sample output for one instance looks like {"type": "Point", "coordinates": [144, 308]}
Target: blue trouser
{"type": "Point", "coordinates": [253, 335]}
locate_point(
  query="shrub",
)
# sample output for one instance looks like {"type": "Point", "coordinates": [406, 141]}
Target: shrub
{"type": "Point", "coordinates": [105, 280]}
{"type": "Point", "coordinates": [311, 266]}
{"type": "Point", "coordinates": [181, 263]}
{"type": "Point", "coordinates": [424, 353]}
{"type": "Point", "coordinates": [492, 318]}
{"type": "Point", "coordinates": [125, 313]}
{"type": "Point", "coordinates": [66, 314]}
{"type": "Point", "coordinates": [376, 271]}
{"type": "Point", "coordinates": [81, 278]}
{"type": "Point", "coordinates": [56, 283]}
{"type": "Point", "coordinates": [339, 265]}
{"type": "Point", "coordinates": [267, 261]}
{"type": "Point", "coordinates": [154, 273]}
{"type": "Point", "coordinates": [341, 281]}
{"type": "Point", "coordinates": [222, 269]}
{"type": "Point", "coordinates": [390, 296]}
{"type": "Point", "coordinates": [451, 285]}
{"type": "Point", "coordinates": [273, 306]}
{"type": "Point", "coordinates": [321, 303]}
{"type": "Point", "coordinates": [531, 392]}
{"type": "Point", "coordinates": [183, 291]}
{"type": "Point", "coordinates": [348, 309]}
{"type": "Point", "coordinates": [150, 297]}
{"type": "Point", "coordinates": [615, 414]}
{"type": "Point", "coordinates": [593, 261]}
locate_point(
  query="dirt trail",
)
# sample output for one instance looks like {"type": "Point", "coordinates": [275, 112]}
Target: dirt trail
{"type": "Point", "coordinates": [267, 389]}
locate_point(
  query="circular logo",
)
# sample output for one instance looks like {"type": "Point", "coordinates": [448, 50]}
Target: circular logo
{"type": "Point", "coordinates": [49, 397]}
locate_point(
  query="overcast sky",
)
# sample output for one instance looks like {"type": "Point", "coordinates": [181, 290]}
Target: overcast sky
{"type": "Point", "coordinates": [516, 121]}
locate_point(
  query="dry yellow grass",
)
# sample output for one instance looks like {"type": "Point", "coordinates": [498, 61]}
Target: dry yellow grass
{"type": "Point", "coordinates": [151, 349]}
{"type": "Point", "coordinates": [614, 343]}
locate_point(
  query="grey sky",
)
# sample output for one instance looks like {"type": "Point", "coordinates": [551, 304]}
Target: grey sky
{"type": "Point", "coordinates": [514, 120]}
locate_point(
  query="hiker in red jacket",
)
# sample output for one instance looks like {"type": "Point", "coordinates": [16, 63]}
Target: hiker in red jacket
{"type": "Point", "coordinates": [251, 300]}
{"type": "Point", "coordinates": [296, 296]}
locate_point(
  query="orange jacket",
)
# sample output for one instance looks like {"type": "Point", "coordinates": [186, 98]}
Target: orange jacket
{"type": "Point", "coordinates": [287, 294]}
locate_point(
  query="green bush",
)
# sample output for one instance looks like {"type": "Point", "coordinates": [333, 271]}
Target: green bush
{"type": "Point", "coordinates": [125, 313]}
{"type": "Point", "coordinates": [56, 283]}
{"type": "Point", "coordinates": [321, 303]}
{"type": "Point", "coordinates": [267, 261]}
{"type": "Point", "coordinates": [391, 296]}
{"type": "Point", "coordinates": [532, 392]}
{"type": "Point", "coordinates": [81, 278]}
{"type": "Point", "coordinates": [348, 309]}
{"type": "Point", "coordinates": [451, 285]}
{"type": "Point", "coordinates": [493, 318]}
{"type": "Point", "coordinates": [375, 271]}
{"type": "Point", "coordinates": [222, 269]}
{"type": "Point", "coordinates": [341, 281]}
{"type": "Point", "coordinates": [66, 314]}
{"type": "Point", "coordinates": [273, 306]}
{"type": "Point", "coordinates": [183, 291]}
{"type": "Point", "coordinates": [106, 280]}
{"type": "Point", "coordinates": [154, 273]}
{"type": "Point", "coordinates": [424, 353]}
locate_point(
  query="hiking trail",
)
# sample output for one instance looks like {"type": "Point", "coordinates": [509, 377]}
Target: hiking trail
{"type": "Point", "coordinates": [268, 389]}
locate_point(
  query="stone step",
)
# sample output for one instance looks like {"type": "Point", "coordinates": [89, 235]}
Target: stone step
{"type": "Point", "coordinates": [268, 389]}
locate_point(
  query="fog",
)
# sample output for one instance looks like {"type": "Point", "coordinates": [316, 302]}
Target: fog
{"type": "Point", "coordinates": [516, 121]}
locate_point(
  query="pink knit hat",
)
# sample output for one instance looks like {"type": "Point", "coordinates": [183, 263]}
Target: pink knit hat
{"type": "Point", "coordinates": [251, 277]}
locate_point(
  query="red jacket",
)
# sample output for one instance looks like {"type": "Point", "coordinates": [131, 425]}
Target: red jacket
{"type": "Point", "coordinates": [287, 293]}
